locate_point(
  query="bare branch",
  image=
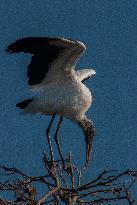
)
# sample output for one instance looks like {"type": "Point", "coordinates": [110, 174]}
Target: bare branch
{"type": "Point", "coordinates": [42, 199]}
{"type": "Point", "coordinates": [62, 182]}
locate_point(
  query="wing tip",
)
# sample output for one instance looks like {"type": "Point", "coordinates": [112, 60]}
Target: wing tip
{"type": "Point", "coordinates": [8, 50]}
{"type": "Point", "coordinates": [12, 48]}
{"type": "Point", "coordinates": [93, 72]}
{"type": "Point", "coordinates": [17, 46]}
{"type": "Point", "coordinates": [23, 104]}
{"type": "Point", "coordinates": [81, 45]}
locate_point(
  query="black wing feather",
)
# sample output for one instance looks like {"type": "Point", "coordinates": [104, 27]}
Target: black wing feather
{"type": "Point", "coordinates": [37, 69]}
{"type": "Point", "coordinates": [44, 55]}
{"type": "Point", "coordinates": [33, 45]}
{"type": "Point", "coordinates": [24, 103]}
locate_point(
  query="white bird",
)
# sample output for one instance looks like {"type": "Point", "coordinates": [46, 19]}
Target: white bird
{"type": "Point", "coordinates": [60, 87]}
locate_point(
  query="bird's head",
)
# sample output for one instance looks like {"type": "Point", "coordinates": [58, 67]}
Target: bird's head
{"type": "Point", "coordinates": [89, 133]}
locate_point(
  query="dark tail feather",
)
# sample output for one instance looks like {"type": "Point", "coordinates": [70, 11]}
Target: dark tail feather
{"type": "Point", "coordinates": [89, 132]}
{"type": "Point", "coordinates": [23, 104]}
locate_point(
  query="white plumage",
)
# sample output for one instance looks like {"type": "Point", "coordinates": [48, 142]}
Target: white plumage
{"type": "Point", "coordinates": [59, 86]}
{"type": "Point", "coordinates": [69, 97]}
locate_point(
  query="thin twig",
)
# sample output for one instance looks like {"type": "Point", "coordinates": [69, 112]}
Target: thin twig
{"type": "Point", "coordinates": [43, 198]}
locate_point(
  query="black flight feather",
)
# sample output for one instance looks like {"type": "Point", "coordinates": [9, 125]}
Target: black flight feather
{"type": "Point", "coordinates": [43, 55]}
{"type": "Point", "coordinates": [23, 104]}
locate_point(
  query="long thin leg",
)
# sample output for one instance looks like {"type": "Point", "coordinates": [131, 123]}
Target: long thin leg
{"type": "Point", "coordinates": [48, 137]}
{"type": "Point", "coordinates": [56, 138]}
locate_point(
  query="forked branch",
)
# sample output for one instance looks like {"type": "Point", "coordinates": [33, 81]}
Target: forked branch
{"type": "Point", "coordinates": [62, 182]}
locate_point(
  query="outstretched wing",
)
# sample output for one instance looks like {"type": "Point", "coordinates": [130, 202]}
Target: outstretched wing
{"type": "Point", "coordinates": [85, 74]}
{"type": "Point", "coordinates": [50, 57]}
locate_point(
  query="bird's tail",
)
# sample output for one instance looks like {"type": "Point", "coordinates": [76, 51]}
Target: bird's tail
{"type": "Point", "coordinates": [89, 133]}
{"type": "Point", "coordinates": [23, 104]}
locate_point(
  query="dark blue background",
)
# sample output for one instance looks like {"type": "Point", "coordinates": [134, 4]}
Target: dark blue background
{"type": "Point", "coordinates": [109, 30]}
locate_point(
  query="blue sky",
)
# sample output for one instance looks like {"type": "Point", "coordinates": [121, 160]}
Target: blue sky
{"type": "Point", "coordinates": [109, 30]}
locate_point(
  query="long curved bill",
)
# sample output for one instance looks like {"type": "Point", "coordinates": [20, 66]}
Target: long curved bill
{"type": "Point", "coordinates": [89, 133]}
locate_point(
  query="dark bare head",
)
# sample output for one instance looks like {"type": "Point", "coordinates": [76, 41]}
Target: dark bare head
{"type": "Point", "coordinates": [89, 133]}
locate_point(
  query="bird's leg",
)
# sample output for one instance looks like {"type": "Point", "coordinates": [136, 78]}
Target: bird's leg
{"type": "Point", "coordinates": [56, 138]}
{"type": "Point", "coordinates": [48, 137]}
